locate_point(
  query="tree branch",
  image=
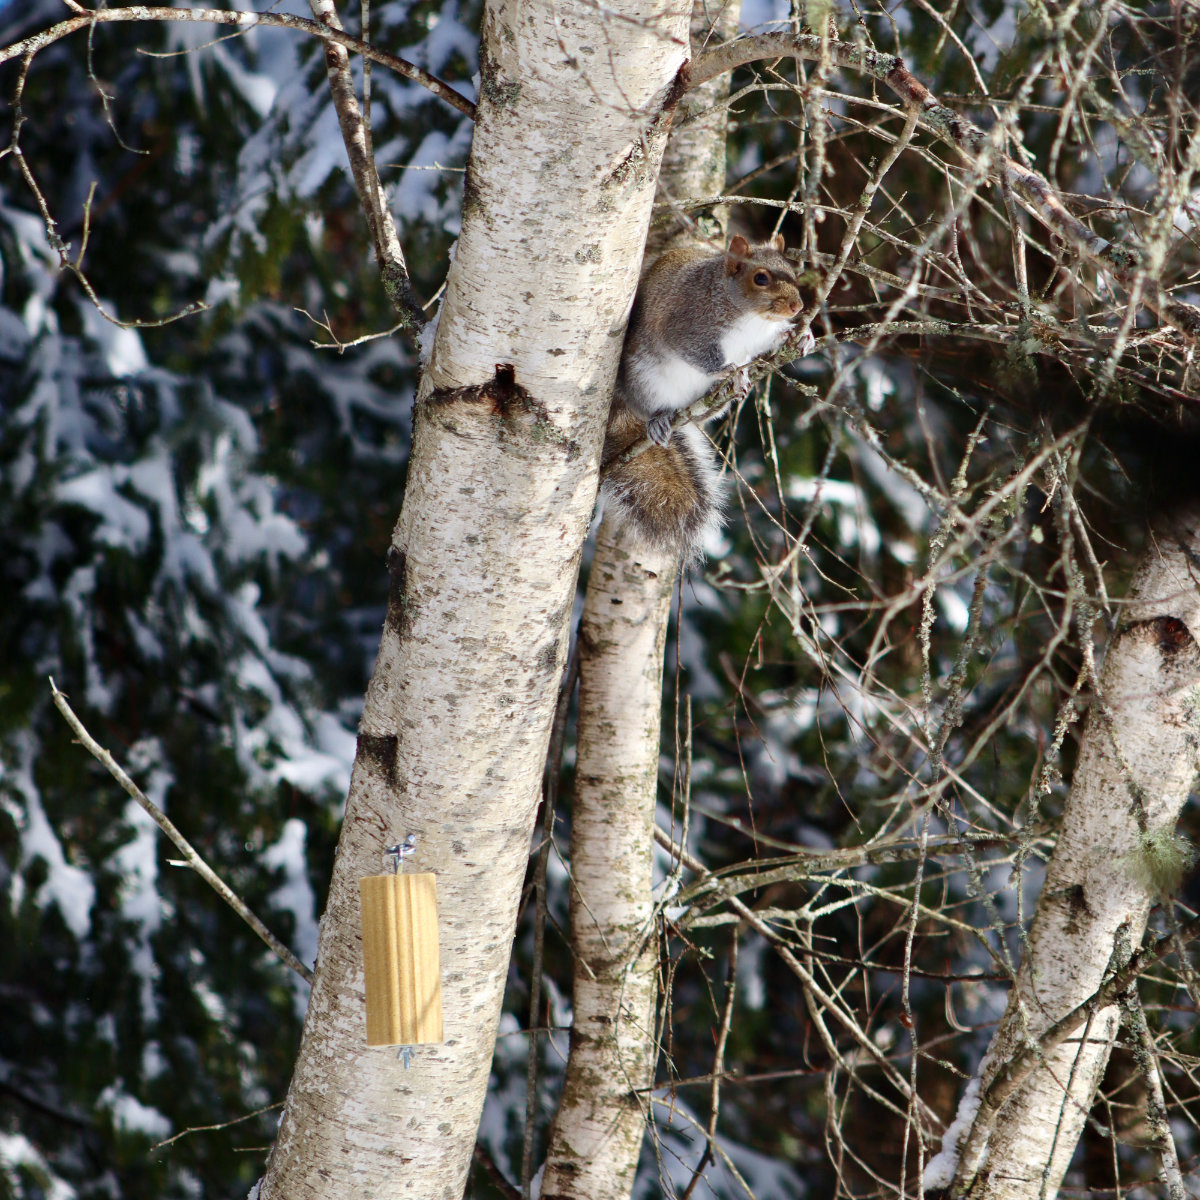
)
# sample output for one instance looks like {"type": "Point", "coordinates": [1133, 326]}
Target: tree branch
{"type": "Point", "coordinates": [371, 194]}
{"type": "Point", "coordinates": [813, 990]}
{"type": "Point", "coordinates": [164, 823]}
{"type": "Point", "coordinates": [1010, 1078]}
{"type": "Point", "coordinates": [219, 16]}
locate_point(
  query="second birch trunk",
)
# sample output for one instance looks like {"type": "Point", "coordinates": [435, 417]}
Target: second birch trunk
{"type": "Point", "coordinates": [1137, 764]}
{"type": "Point", "coordinates": [597, 1134]}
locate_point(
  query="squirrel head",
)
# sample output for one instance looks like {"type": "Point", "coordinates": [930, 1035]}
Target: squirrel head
{"type": "Point", "coordinates": [760, 279]}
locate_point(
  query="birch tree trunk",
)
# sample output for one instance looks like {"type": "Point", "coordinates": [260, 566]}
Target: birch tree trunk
{"type": "Point", "coordinates": [1137, 763]}
{"type": "Point", "coordinates": [597, 1134]}
{"type": "Point", "coordinates": [574, 104]}
{"type": "Point", "coordinates": [596, 1138]}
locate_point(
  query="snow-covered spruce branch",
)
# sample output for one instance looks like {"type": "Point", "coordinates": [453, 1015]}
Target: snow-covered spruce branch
{"type": "Point", "coordinates": [28, 47]}
{"type": "Point", "coordinates": [1037, 194]}
{"type": "Point", "coordinates": [328, 27]}
{"type": "Point", "coordinates": [164, 823]}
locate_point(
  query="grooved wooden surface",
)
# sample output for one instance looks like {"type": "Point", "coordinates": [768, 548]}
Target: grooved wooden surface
{"type": "Point", "coordinates": [401, 959]}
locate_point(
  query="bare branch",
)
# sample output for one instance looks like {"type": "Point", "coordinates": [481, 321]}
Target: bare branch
{"type": "Point", "coordinates": [813, 990]}
{"type": "Point", "coordinates": [392, 266]}
{"type": "Point", "coordinates": [219, 16]}
{"type": "Point", "coordinates": [1144, 1053]}
{"type": "Point", "coordinates": [1037, 194]}
{"type": "Point", "coordinates": [371, 194]}
{"type": "Point", "coordinates": [57, 244]}
{"type": "Point", "coordinates": [164, 823]}
{"type": "Point", "coordinates": [1010, 1078]}
{"type": "Point", "coordinates": [209, 1128]}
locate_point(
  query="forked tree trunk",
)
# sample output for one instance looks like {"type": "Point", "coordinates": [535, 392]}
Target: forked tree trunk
{"type": "Point", "coordinates": [483, 567]}
{"type": "Point", "coordinates": [597, 1133]}
{"type": "Point", "coordinates": [1137, 763]}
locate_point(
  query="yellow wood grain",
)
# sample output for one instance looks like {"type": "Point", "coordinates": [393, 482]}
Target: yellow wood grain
{"type": "Point", "coordinates": [401, 959]}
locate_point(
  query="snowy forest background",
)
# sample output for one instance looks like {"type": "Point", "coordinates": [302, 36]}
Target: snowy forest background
{"type": "Point", "coordinates": [194, 519]}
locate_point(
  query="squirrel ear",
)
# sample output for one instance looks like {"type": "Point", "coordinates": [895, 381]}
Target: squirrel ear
{"type": "Point", "coordinates": [738, 252]}
{"type": "Point", "coordinates": [777, 243]}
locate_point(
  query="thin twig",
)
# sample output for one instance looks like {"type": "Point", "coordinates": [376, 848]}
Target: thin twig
{"type": "Point", "coordinates": [209, 1128]}
{"type": "Point", "coordinates": [816, 995]}
{"type": "Point", "coordinates": [160, 818]}
{"type": "Point", "coordinates": [356, 135]}
{"type": "Point", "coordinates": [1144, 1053]}
{"type": "Point", "coordinates": [718, 1071]}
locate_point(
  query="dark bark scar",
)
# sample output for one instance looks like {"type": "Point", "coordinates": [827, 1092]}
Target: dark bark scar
{"type": "Point", "coordinates": [501, 394]}
{"type": "Point", "coordinates": [505, 398]}
{"type": "Point", "coordinates": [399, 607]}
{"type": "Point", "coordinates": [379, 752]}
{"type": "Point", "coordinates": [1173, 640]}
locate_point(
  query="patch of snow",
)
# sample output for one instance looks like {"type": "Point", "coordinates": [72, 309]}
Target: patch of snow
{"type": "Point", "coordinates": [939, 1171]}
{"type": "Point", "coordinates": [426, 336]}
{"type": "Point", "coordinates": [130, 1114]}
{"type": "Point", "coordinates": [69, 888]}
{"type": "Point", "coordinates": [120, 346]}
{"type": "Point", "coordinates": [220, 290]}
{"type": "Point", "coordinates": [17, 1151]}
{"type": "Point", "coordinates": [137, 864]}
{"type": "Point", "coordinates": [124, 525]}
{"type": "Point", "coordinates": [295, 895]}
{"type": "Point", "coordinates": [757, 15]}
{"type": "Point", "coordinates": [954, 609]}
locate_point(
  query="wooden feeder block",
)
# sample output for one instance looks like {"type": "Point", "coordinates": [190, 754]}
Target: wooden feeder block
{"type": "Point", "coordinates": [401, 959]}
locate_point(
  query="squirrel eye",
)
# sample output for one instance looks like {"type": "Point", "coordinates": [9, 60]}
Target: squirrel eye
{"type": "Point", "coordinates": [762, 279]}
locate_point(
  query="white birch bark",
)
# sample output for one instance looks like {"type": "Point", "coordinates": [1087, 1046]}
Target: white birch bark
{"type": "Point", "coordinates": [597, 1134]}
{"type": "Point", "coordinates": [483, 568]}
{"type": "Point", "coordinates": [596, 1138]}
{"type": "Point", "coordinates": [1137, 763]}
{"type": "Point", "coordinates": [694, 162]}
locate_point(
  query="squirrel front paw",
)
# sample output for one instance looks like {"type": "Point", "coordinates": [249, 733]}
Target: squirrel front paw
{"type": "Point", "coordinates": [807, 344]}
{"type": "Point", "coordinates": [658, 428]}
{"type": "Point", "coordinates": [741, 385]}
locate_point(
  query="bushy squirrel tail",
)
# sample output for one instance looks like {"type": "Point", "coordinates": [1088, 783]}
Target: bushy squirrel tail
{"type": "Point", "coordinates": [667, 496]}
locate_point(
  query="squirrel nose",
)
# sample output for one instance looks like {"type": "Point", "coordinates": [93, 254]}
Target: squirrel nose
{"type": "Point", "coordinates": [793, 307]}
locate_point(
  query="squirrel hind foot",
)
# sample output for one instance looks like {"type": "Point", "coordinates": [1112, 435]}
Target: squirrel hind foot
{"type": "Point", "coordinates": [658, 429]}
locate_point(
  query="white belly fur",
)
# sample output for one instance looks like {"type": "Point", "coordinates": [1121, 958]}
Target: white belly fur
{"type": "Point", "coordinates": [751, 336]}
{"type": "Point", "coordinates": [673, 382]}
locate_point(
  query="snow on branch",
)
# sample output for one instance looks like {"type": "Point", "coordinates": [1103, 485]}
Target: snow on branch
{"type": "Point", "coordinates": [355, 134]}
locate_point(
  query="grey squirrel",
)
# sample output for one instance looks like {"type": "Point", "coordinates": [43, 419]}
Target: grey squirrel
{"type": "Point", "coordinates": [697, 316]}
